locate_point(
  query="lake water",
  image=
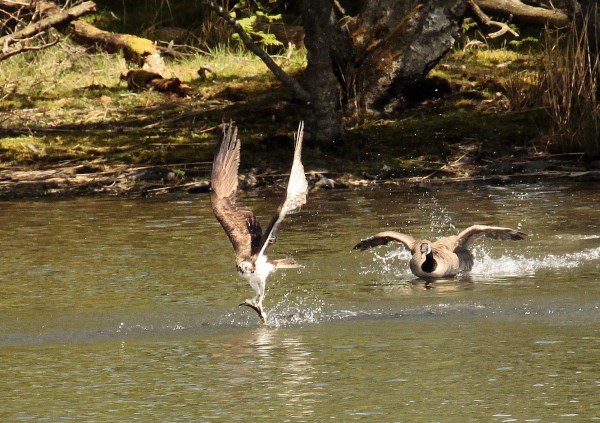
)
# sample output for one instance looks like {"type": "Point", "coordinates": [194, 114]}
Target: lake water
{"type": "Point", "coordinates": [118, 309]}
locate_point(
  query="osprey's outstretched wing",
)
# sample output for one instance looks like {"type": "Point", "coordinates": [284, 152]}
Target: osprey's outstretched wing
{"type": "Point", "coordinates": [295, 197]}
{"type": "Point", "coordinates": [239, 222]}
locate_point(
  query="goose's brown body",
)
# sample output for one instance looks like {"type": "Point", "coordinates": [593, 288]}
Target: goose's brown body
{"type": "Point", "coordinates": [444, 257]}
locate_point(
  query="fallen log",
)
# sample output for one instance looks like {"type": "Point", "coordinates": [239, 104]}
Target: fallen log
{"type": "Point", "coordinates": [136, 49]}
{"type": "Point", "coordinates": [520, 12]}
{"type": "Point", "coordinates": [141, 51]}
{"type": "Point", "coordinates": [54, 18]}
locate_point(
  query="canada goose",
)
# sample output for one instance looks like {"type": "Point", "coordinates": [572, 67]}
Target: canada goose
{"type": "Point", "coordinates": [445, 257]}
{"type": "Point", "coordinates": [240, 224]}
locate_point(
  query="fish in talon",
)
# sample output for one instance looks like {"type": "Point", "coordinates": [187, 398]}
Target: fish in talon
{"type": "Point", "coordinates": [258, 308]}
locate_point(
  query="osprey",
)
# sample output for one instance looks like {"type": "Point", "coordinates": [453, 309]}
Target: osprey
{"type": "Point", "coordinates": [241, 226]}
{"type": "Point", "coordinates": [445, 257]}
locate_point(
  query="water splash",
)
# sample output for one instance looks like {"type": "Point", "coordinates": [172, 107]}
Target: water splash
{"type": "Point", "coordinates": [289, 313]}
{"type": "Point", "coordinates": [520, 265]}
{"type": "Point", "coordinates": [295, 310]}
{"type": "Point", "coordinates": [440, 220]}
{"type": "Point", "coordinates": [394, 264]}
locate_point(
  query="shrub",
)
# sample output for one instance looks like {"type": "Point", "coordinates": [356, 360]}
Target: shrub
{"type": "Point", "coordinates": [569, 90]}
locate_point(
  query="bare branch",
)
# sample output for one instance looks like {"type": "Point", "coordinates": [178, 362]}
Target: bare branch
{"type": "Point", "coordinates": [484, 20]}
{"type": "Point", "coordinates": [279, 73]}
{"type": "Point", "coordinates": [13, 5]}
{"type": "Point", "coordinates": [46, 23]}
{"type": "Point", "coordinates": [13, 16]}
{"type": "Point", "coordinates": [22, 49]}
{"type": "Point", "coordinates": [339, 8]}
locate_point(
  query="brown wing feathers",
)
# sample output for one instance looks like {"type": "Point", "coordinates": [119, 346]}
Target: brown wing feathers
{"type": "Point", "coordinates": [224, 178]}
{"type": "Point", "coordinates": [240, 224]}
{"type": "Point", "coordinates": [468, 237]}
{"type": "Point", "coordinates": [384, 238]}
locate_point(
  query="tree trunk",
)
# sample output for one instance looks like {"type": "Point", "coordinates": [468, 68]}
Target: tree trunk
{"type": "Point", "coordinates": [322, 116]}
{"type": "Point", "coordinates": [390, 45]}
{"type": "Point", "coordinates": [397, 43]}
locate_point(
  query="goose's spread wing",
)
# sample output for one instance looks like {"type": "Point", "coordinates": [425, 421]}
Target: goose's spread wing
{"type": "Point", "coordinates": [239, 223]}
{"type": "Point", "coordinates": [383, 238]}
{"type": "Point", "coordinates": [295, 197]}
{"type": "Point", "coordinates": [467, 237]}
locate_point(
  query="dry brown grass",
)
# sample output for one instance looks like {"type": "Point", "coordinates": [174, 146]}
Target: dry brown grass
{"type": "Point", "coordinates": [569, 91]}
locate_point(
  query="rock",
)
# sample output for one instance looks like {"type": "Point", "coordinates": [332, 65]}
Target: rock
{"type": "Point", "coordinates": [359, 182]}
{"type": "Point", "coordinates": [199, 187]}
{"type": "Point", "coordinates": [503, 168]}
{"type": "Point", "coordinates": [149, 174]}
{"type": "Point", "coordinates": [248, 181]}
{"type": "Point", "coordinates": [535, 166]}
{"type": "Point", "coordinates": [500, 179]}
{"type": "Point", "coordinates": [325, 182]}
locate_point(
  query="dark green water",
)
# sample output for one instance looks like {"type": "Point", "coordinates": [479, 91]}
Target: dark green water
{"type": "Point", "coordinates": [126, 310]}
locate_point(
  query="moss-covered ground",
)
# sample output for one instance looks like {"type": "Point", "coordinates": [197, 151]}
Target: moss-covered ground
{"type": "Point", "coordinates": [64, 106]}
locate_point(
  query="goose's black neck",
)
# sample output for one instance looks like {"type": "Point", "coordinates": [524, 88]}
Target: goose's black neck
{"type": "Point", "coordinates": [429, 265]}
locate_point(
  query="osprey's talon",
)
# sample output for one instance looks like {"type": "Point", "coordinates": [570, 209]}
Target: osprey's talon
{"type": "Point", "coordinates": [261, 314]}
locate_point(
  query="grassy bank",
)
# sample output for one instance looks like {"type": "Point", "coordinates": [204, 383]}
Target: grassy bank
{"type": "Point", "coordinates": [64, 105]}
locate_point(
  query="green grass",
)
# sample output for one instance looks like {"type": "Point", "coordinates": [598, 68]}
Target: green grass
{"type": "Point", "coordinates": [70, 79]}
{"type": "Point", "coordinates": [80, 97]}
{"type": "Point", "coordinates": [64, 104]}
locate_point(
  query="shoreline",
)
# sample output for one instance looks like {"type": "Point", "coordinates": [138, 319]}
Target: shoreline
{"type": "Point", "coordinates": [85, 179]}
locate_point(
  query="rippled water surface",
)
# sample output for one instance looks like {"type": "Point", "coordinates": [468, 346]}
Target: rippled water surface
{"type": "Point", "coordinates": [126, 310]}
